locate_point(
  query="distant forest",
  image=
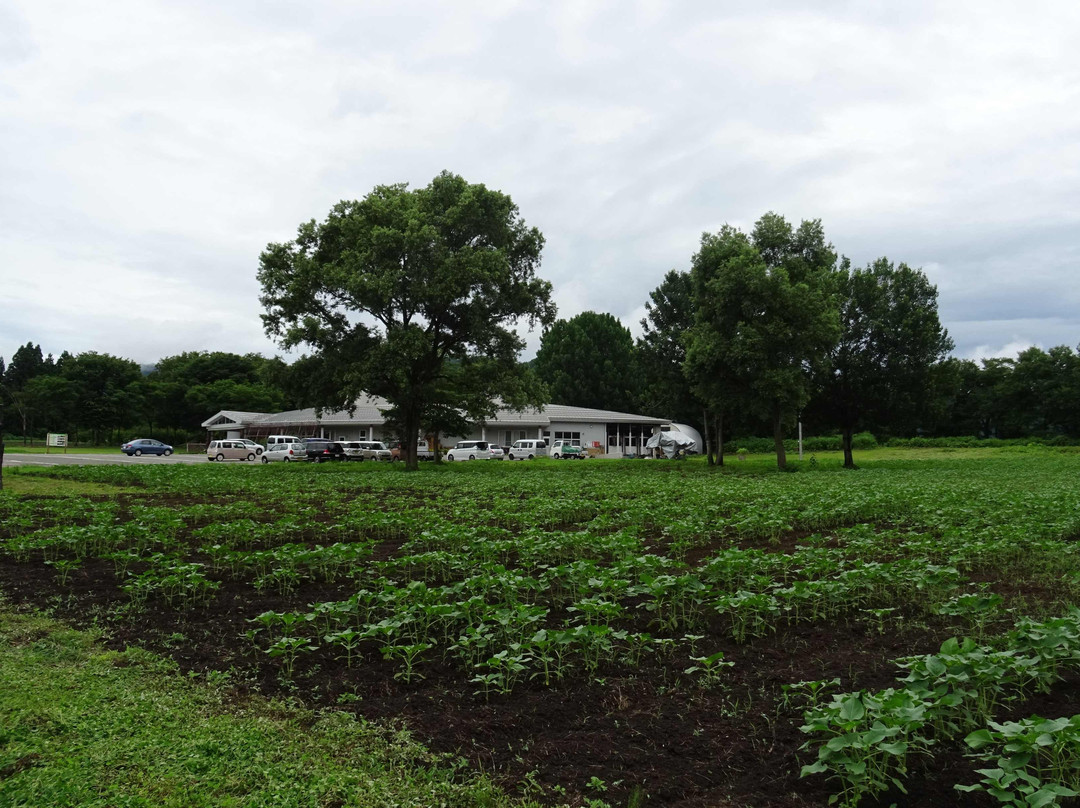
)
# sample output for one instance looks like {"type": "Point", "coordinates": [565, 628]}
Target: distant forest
{"type": "Point", "coordinates": [99, 398]}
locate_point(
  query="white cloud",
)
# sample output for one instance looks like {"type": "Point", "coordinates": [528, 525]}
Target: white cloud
{"type": "Point", "coordinates": [151, 150]}
{"type": "Point", "coordinates": [1009, 350]}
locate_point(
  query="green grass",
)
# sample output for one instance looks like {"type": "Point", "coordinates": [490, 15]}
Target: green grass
{"type": "Point", "coordinates": [81, 726]}
{"type": "Point", "coordinates": [22, 484]}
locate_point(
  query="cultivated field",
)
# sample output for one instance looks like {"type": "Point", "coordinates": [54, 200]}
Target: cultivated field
{"type": "Point", "coordinates": [626, 633]}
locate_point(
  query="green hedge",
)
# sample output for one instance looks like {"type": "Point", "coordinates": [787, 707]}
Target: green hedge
{"type": "Point", "coordinates": [865, 440]}
{"type": "Point", "coordinates": [971, 442]}
{"type": "Point", "coordinates": [818, 443]}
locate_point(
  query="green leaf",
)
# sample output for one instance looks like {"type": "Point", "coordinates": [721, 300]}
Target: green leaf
{"type": "Point", "coordinates": [841, 741]}
{"type": "Point", "coordinates": [1048, 795]}
{"type": "Point", "coordinates": [979, 738]}
{"type": "Point", "coordinates": [852, 708]}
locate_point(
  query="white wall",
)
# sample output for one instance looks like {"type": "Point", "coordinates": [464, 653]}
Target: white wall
{"type": "Point", "coordinates": [494, 433]}
{"type": "Point", "coordinates": [353, 432]}
{"type": "Point", "coordinates": [590, 433]}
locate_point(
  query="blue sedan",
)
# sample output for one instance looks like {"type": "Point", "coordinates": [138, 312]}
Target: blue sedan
{"type": "Point", "coordinates": [141, 446]}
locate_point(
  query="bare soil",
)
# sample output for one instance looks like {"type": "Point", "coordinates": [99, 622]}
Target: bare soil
{"type": "Point", "coordinates": [649, 736]}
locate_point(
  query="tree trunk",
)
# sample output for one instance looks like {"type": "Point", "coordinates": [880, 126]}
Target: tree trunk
{"type": "Point", "coordinates": [436, 447]}
{"type": "Point", "coordinates": [1, 452]}
{"type": "Point", "coordinates": [849, 460]}
{"type": "Point", "coordinates": [720, 438]}
{"type": "Point", "coordinates": [411, 428]}
{"type": "Point", "coordinates": [778, 438]}
{"type": "Point", "coordinates": [708, 441]}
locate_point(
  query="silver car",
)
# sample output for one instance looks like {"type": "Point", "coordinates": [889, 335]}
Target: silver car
{"type": "Point", "coordinates": [285, 452]}
{"type": "Point", "coordinates": [375, 450]}
{"type": "Point", "coordinates": [229, 450]}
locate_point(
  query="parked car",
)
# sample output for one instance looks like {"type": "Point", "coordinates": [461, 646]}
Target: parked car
{"type": "Point", "coordinates": [566, 450]}
{"type": "Point", "coordinates": [276, 439]}
{"type": "Point", "coordinates": [255, 447]}
{"type": "Point", "coordinates": [286, 452]}
{"type": "Point", "coordinates": [528, 449]}
{"type": "Point", "coordinates": [229, 450]}
{"type": "Point", "coordinates": [470, 450]}
{"type": "Point", "coordinates": [423, 451]}
{"type": "Point", "coordinates": [319, 451]}
{"type": "Point", "coordinates": [375, 450]}
{"type": "Point", "coordinates": [497, 452]}
{"type": "Point", "coordinates": [366, 450]}
{"type": "Point", "coordinates": [141, 446]}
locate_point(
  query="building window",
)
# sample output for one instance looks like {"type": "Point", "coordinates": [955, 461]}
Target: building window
{"type": "Point", "coordinates": [573, 437]}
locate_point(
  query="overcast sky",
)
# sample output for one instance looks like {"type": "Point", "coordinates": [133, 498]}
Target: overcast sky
{"type": "Point", "coordinates": [149, 151]}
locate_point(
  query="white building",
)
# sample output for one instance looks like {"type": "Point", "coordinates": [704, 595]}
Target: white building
{"type": "Point", "coordinates": [613, 433]}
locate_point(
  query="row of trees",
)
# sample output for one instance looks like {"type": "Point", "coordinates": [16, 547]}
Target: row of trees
{"type": "Point", "coordinates": [416, 295]}
{"type": "Point", "coordinates": [95, 395]}
{"type": "Point", "coordinates": [772, 325]}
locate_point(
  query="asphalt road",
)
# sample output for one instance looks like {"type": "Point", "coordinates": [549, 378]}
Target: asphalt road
{"type": "Point", "coordinates": [16, 459]}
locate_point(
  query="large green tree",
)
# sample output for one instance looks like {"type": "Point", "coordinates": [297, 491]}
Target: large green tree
{"type": "Point", "coordinates": [394, 290]}
{"type": "Point", "coordinates": [51, 397]}
{"type": "Point", "coordinates": [891, 337]}
{"type": "Point", "coordinates": [669, 317]}
{"type": "Point", "coordinates": [183, 390]}
{"type": "Point", "coordinates": [106, 391]}
{"type": "Point", "coordinates": [766, 318]}
{"type": "Point", "coordinates": [589, 361]}
{"type": "Point", "coordinates": [723, 275]}
{"type": "Point", "coordinates": [27, 363]}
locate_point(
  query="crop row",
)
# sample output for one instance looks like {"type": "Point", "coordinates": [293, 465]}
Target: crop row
{"type": "Point", "coordinates": [865, 740]}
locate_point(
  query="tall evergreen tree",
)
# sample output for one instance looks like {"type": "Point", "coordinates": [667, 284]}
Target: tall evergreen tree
{"type": "Point", "coordinates": [590, 361]}
{"type": "Point", "coordinates": [669, 317]}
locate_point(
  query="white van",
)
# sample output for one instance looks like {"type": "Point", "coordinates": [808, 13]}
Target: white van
{"type": "Point", "coordinates": [470, 450]}
{"type": "Point", "coordinates": [273, 440]}
{"type": "Point", "coordinates": [528, 450]}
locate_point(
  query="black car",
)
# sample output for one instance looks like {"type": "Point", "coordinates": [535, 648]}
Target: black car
{"type": "Point", "coordinates": [321, 450]}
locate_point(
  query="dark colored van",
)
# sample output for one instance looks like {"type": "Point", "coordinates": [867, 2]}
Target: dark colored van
{"type": "Point", "coordinates": [322, 450]}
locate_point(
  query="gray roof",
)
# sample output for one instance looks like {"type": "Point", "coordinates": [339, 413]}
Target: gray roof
{"type": "Point", "coordinates": [235, 416]}
{"type": "Point", "coordinates": [562, 412]}
{"type": "Point", "coordinates": [367, 412]}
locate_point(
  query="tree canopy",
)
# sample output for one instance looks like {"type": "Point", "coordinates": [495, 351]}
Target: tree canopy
{"type": "Point", "coordinates": [765, 318]}
{"type": "Point", "coordinates": [669, 316]}
{"type": "Point", "coordinates": [408, 293]}
{"type": "Point", "coordinates": [589, 361]}
{"type": "Point", "coordinates": [891, 338]}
